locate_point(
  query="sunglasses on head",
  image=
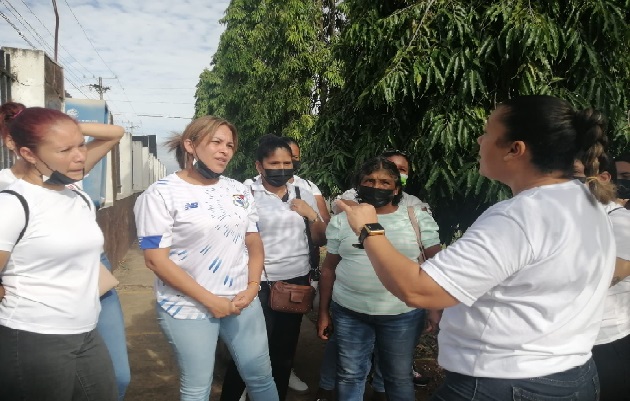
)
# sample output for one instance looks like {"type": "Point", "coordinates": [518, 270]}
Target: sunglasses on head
{"type": "Point", "coordinates": [395, 152]}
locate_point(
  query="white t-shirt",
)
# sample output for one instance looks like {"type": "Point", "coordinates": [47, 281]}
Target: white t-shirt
{"type": "Point", "coordinates": [616, 320]}
{"type": "Point", "coordinates": [51, 278]}
{"type": "Point", "coordinates": [6, 178]}
{"type": "Point", "coordinates": [204, 226]}
{"type": "Point", "coordinates": [405, 201]}
{"type": "Point", "coordinates": [531, 275]}
{"type": "Point", "coordinates": [297, 181]}
{"type": "Point", "coordinates": [283, 233]}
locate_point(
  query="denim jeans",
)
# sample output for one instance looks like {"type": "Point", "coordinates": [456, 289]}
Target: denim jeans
{"type": "Point", "coordinates": [54, 367]}
{"type": "Point", "coordinates": [328, 368]}
{"type": "Point", "coordinates": [577, 384]}
{"type": "Point", "coordinates": [195, 341]}
{"type": "Point", "coordinates": [613, 368]}
{"type": "Point", "coordinates": [395, 339]}
{"type": "Point", "coordinates": [283, 332]}
{"type": "Point", "coordinates": [111, 327]}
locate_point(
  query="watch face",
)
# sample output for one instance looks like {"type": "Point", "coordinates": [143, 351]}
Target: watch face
{"type": "Point", "coordinates": [374, 227]}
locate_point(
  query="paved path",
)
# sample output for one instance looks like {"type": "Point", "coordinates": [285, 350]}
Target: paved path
{"type": "Point", "coordinates": [154, 375]}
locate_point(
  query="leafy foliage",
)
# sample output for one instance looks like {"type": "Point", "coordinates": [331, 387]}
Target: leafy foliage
{"type": "Point", "coordinates": [271, 72]}
{"type": "Point", "coordinates": [355, 77]}
{"type": "Point", "coordinates": [423, 75]}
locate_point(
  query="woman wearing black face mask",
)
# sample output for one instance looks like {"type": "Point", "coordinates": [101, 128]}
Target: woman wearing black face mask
{"type": "Point", "coordinates": [282, 213]}
{"type": "Point", "coordinates": [363, 311]}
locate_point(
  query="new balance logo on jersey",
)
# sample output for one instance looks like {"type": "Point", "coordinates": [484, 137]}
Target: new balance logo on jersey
{"type": "Point", "coordinates": [191, 205]}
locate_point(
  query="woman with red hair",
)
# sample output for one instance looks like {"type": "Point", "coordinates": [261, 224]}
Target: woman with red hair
{"type": "Point", "coordinates": [49, 249]}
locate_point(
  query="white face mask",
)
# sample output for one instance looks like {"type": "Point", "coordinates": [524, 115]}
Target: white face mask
{"type": "Point", "coordinates": [403, 179]}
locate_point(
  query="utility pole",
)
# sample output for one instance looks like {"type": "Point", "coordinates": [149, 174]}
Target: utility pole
{"type": "Point", "coordinates": [56, 27]}
{"type": "Point", "coordinates": [99, 88]}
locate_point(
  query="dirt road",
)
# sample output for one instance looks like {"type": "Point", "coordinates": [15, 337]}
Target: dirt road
{"type": "Point", "coordinates": [154, 375]}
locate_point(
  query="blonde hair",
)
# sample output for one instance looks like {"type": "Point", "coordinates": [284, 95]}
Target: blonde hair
{"type": "Point", "coordinates": [197, 131]}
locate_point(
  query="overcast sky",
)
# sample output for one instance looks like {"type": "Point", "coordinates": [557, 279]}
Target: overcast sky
{"type": "Point", "coordinates": [149, 52]}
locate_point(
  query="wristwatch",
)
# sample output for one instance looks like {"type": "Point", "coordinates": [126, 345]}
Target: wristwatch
{"type": "Point", "coordinates": [369, 230]}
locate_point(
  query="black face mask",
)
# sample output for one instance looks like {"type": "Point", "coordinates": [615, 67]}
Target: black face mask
{"type": "Point", "coordinates": [278, 177]}
{"type": "Point", "coordinates": [623, 188]}
{"type": "Point", "coordinates": [375, 196]}
{"type": "Point", "coordinates": [296, 165]}
{"type": "Point", "coordinates": [57, 178]}
{"type": "Point", "coordinates": [205, 171]}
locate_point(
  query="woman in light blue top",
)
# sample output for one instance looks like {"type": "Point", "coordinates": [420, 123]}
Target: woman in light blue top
{"type": "Point", "coordinates": [364, 312]}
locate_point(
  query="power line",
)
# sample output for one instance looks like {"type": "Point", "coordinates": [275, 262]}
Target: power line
{"type": "Point", "coordinates": [18, 31]}
{"type": "Point", "coordinates": [154, 115]}
{"type": "Point", "coordinates": [40, 40]}
{"type": "Point", "coordinates": [52, 36]}
{"type": "Point", "coordinates": [100, 57]}
{"type": "Point", "coordinates": [128, 101]}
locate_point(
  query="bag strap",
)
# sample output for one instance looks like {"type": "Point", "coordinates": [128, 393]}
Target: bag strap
{"type": "Point", "coordinates": [89, 204]}
{"type": "Point", "coordinates": [309, 238]}
{"type": "Point", "coordinates": [26, 211]}
{"type": "Point", "coordinates": [615, 209]}
{"type": "Point", "coordinates": [414, 223]}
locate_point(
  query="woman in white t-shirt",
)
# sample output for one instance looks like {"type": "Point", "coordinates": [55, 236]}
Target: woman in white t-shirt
{"type": "Point", "coordinates": [111, 325]}
{"type": "Point", "coordinates": [611, 352]}
{"type": "Point", "coordinates": [50, 263]}
{"type": "Point", "coordinates": [282, 212]}
{"type": "Point", "coordinates": [524, 287]}
{"type": "Point", "coordinates": [198, 230]}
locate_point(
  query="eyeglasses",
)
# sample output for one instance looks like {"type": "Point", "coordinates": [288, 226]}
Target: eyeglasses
{"type": "Point", "coordinates": [396, 152]}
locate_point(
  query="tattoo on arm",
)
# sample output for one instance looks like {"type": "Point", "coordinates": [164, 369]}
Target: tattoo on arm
{"type": "Point", "coordinates": [615, 280]}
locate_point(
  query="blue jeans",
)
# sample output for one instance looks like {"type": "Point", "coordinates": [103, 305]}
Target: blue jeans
{"type": "Point", "coordinates": [111, 327]}
{"type": "Point", "coordinates": [395, 339]}
{"type": "Point", "coordinates": [577, 384]}
{"type": "Point", "coordinates": [195, 341]}
{"type": "Point", "coordinates": [328, 369]}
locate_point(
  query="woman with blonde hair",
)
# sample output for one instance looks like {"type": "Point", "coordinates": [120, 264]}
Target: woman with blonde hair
{"type": "Point", "coordinates": [199, 235]}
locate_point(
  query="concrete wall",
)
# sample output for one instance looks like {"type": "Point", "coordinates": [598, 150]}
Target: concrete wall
{"type": "Point", "coordinates": [40, 80]}
{"type": "Point", "coordinates": [119, 228]}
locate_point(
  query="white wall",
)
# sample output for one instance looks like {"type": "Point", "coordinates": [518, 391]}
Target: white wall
{"type": "Point", "coordinates": [126, 166]}
{"type": "Point", "coordinates": [28, 67]}
{"type": "Point", "coordinates": [138, 166]}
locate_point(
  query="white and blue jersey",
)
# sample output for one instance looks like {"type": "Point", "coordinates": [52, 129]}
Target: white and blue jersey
{"type": "Point", "coordinates": [204, 226]}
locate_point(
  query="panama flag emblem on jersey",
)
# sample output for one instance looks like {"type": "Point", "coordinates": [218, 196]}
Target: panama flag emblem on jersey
{"type": "Point", "coordinates": [239, 200]}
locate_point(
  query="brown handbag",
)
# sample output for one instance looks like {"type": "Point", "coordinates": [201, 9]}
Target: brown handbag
{"type": "Point", "coordinates": [291, 298]}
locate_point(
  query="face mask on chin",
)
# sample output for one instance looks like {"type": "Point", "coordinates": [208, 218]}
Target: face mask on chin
{"type": "Point", "coordinates": [375, 196]}
{"type": "Point", "coordinates": [57, 178]}
{"type": "Point", "coordinates": [403, 179]}
{"type": "Point", "coordinates": [277, 177]}
{"type": "Point", "coordinates": [205, 170]}
{"type": "Point", "coordinates": [623, 188]}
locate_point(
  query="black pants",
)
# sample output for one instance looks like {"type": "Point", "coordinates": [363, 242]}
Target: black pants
{"type": "Point", "coordinates": [283, 331]}
{"type": "Point", "coordinates": [613, 367]}
{"type": "Point", "coordinates": [55, 367]}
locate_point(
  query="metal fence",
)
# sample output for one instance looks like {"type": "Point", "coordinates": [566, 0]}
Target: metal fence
{"type": "Point", "coordinates": [6, 157]}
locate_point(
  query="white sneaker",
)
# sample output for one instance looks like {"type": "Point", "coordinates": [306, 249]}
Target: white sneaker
{"type": "Point", "coordinates": [296, 384]}
{"type": "Point", "coordinates": [243, 396]}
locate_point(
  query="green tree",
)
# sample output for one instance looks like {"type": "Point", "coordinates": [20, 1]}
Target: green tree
{"type": "Point", "coordinates": [271, 72]}
{"type": "Point", "coordinates": [423, 76]}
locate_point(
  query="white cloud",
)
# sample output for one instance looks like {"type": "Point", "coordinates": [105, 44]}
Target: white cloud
{"type": "Point", "coordinates": [156, 48]}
